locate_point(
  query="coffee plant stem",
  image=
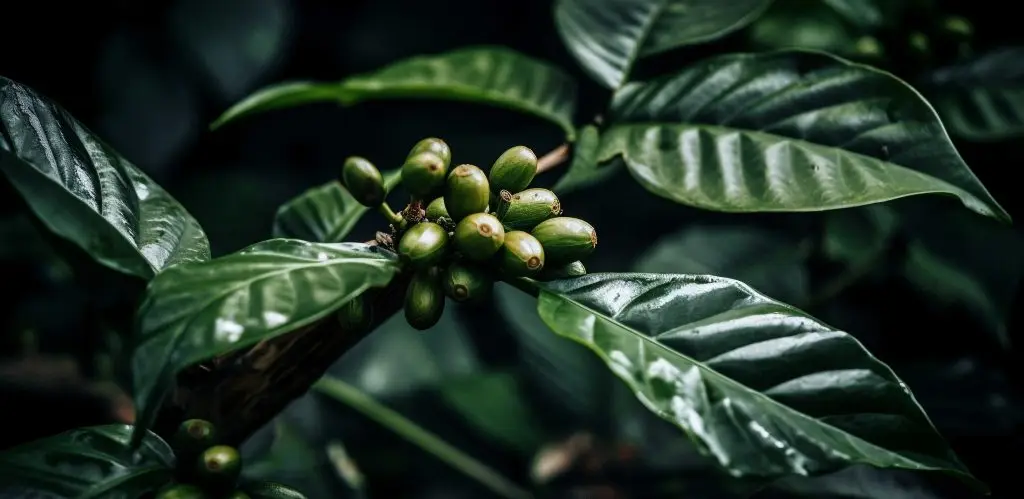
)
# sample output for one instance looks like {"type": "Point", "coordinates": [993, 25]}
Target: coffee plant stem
{"type": "Point", "coordinates": [553, 158]}
{"type": "Point", "coordinates": [352, 397]}
{"type": "Point", "coordinates": [390, 214]}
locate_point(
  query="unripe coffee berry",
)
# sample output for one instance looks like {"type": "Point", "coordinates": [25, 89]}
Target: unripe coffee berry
{"type": "Point", "coordinates": [513, 170]}
{"type": "Point", "coordinates": [521, 255]}
{"type": "Point", "coordinates": [423, 245]}
{"type": "Point", "coordinates": [363, 181]}
{"type": "Point", "coordinates": [479, 236]}
{"type": "Point", "coordinates": [466, 192]}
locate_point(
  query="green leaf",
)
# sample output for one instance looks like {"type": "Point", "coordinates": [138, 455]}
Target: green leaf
{"type": "Point", "coordinates": [289, 454]}
{"type": "Point", "coordinates": [495, 404]}
{"type": "Point", "coordinates": [608, 37]}
{"type": "Point", "coordinates": [195, 312]}
{"type": "Point", "coordinates": [584, 170]}
{"type": "Point", "coordinates": [85, 192]}
{"type": "Point", "coordinates": [807, 24]}
{"type": "Point", "coordinates": [862, 13]}
{"type": "Point", "coordinates": [487, 75]}
{"type": "Point", "coordinates": [762, 258]}
{"type": "Point", "coordinates": [759, 386]}
{"type": "Point", "coordinates": [324, 214]}
{"type": "Point", "coordinates": [271, 490]}
{"type": "Point", "coordinates": [981, 99]}
{"type": "Point", "coordinates": [861, 235]}
{"type": "Point", "coordinates": [792, 131]}
{"type": "Point", "coordinates": [93, 462]}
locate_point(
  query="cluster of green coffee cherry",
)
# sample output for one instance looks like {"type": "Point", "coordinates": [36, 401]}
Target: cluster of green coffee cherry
{"type": "Point", "coordinates": [205, 469]}
{"type": "Point", "coordinates": [464, 229]}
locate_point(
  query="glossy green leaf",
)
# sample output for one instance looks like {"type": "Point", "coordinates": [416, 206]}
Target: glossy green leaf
{"type": "Point", "coordinates": [85, 192]}
{"type": "Point", "coordinates": [324, 214]}
{"type": "Point", "coordinates": [93, 462]}
{"type": "Point", "coordinates": [487, 75]}
{"type": "Point", "coordinates": [983, 98]}
{"type": "Point", "coordinates": [495, 403]}
{"type": "Point", "coordinates": [271, 490]}
{"type": "Point", "coordinates": [761, 387]}
{"type": "Point", "coordinates": [584, 170]}
{"type": "Point", "coordinates": [861, 235]}
{"type": "Point", "coordinates": [806, 24]}
{"type": "Point", "coordinates": [786, 131]}
{"type": "Point", "coordinates": [764, 259]}
{"type": "Point", "coordinates": [608, 37]}
{"type": "Point", "coordinates": [195, 312]}
{"type": "Point", "coordinates": [863, 13]}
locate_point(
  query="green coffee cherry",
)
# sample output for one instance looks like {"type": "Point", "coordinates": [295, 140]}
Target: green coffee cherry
{"type": "Point", "coordinates": [356, 316]}
{"type": "Point", "coordinates": [424, 299]}
{"type": "Point", "coordinates": [522, 255]}
{"type": "Point", "coordinates": [423, 245]}
{"type": "Point", "coordinates": [436, 209]}
{"type": "Point", "coordinates": [572, 269]}
{"type": "Point", "coordinates": [919, 43]}
{"type": "Point", "coordinates": [433, 145]}
{"type": "Point", "coordinates": [479, 236]}
{"type": "Point", "coordinates": [219, 467]}
{"type": "Point", "coordinates": [467, 192]}
{"type": "Point", "coordinates": [466, 283]}
{"type": "Point", "coordinates": [868, 46]}
{"type": "Point", "coordinates": [180, 491]}
{"type": "Point", "coordinates": [957, 28]}
{"type": "Point", "coordinates": [565, 239]}
{"type": "Point", "coordinates": [424, 173]}
{"type": "Point", "coordinates": [194, 436]}
{"type": "Point", "coordinates": [363, 181]}
{"type": "Point", "coordinates": [524, 210]}
{"type": "Point", "coordinates": [513, 170]}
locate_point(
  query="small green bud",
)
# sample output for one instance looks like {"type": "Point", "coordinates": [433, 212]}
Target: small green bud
{"type": "Point", "coordinates": [356, 316]}
{"type": "Point", "coordinates": [180, 491]}
{"type": "Point", "coordinates": [513, 170]}
{"type": "Point", "coordinates": [466, 283]}
{"type": "Point", "coordinates": [363, 181]}
{"type": "Point", "coordinates": [524, 210]}
{"type": "Point", "coordinates": [433, 145]}
{"type": "Point", "coordinates": [194, 436]}
{"type": "Point", "coordinates": [424, 173]}
{"type": "Point", "coordinates": [521, 255]}
{"type": "Point", "coordinates": [479, 236]}
{"type": "Point", "coordinates": [868, 46]}
{"type": "Point", "coordinates": [958, 28]}
{"type": "Point", "coordinates": [424, 299]}
{"type": "Point", "coordinates": [436, 209]}
{"type": "Point", "coordinates": [572, 269]}
{"type": "Point", "coordinates": [565, 239]}
{"type": "Point", "coordinates": [219, 466]}
{"type": "Point", "coordinates": [467, 192]}
{"type": "Point", "coordinates": [919, 43]}
{"type": "Point", "coordinates": [423, 245]}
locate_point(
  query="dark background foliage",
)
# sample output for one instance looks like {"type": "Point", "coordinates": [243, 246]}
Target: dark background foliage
{"type": "Point", "coordinates": [150, 76]}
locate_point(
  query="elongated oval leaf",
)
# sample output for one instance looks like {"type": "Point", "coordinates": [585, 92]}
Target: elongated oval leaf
{"type": "Point", "coordinates": [195, 312]}
{"type": "Point", "coordinates": [786, 131]}
{"type": "Point", "coordinates": [93, 462]}
{"type": "Point", "coordinates": [863, 13]}
{"type": "Point", "coordinates": [607, 37]}
{"type": "Point", "coordinates": [758, 385]}
{"type": "Point", "coordinates": [85, 192]}
{"type": "Point", "coordinates": [486, 75]}
{"type": "Point", "coordinates": [981, 99]}
{"type": "Point", "coordinates": [324, 214]}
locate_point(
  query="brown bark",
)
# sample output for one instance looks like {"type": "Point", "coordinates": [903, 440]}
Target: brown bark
{"type": "Point", "coordinates": [245, 390]}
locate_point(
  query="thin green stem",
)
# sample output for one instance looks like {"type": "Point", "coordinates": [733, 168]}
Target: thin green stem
{"type": "Point", "coordinates": [352, 397]}
{"type": "Point", "coordinates": [524, 284]}
{"type": "Point", "coordinates": [390, 214]}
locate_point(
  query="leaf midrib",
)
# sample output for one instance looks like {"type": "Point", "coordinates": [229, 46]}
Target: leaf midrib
{"type": "Point", "coordinates": [647, 340]}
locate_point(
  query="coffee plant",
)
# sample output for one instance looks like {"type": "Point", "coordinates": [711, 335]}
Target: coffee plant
{"type": "Point", "coordinates": [800, 122]}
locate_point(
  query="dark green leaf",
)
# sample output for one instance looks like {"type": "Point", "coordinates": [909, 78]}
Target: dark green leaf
{"type": "Point", "coordinates": [983, 98]}
{"type": "Point", "coordinates": [271, 490]}
{"type": "Point", "coordinates": [863, 13]}
{"type": "Point", "coordinates": [608, 37]}
{"type": "Point", "coordinates": [495, 404]}
{"type": "Point", "coordinates": [94, 462]}
{"type": "Point", "coordinates": [760, 386]}
{"type": "Point", "coordinates": [584, 170]}
{"type": "Point", "coordinates": [767, 261]}
{"type": "Point", "coordinates": [194, 312]}
{"type": "Point", "coordinates": [324, 214]}
{"type": "Point", "coordinates": [85, 192]}
{"type": "Point", "coordinates": [486, 75]}
{"type": "Point", "coordinates": [786, 131]}
{"type": "Point", "coordinates": [861, 235]}
{"type": "Point", "coordinates": [289, 454]}
{"type": "Point", "coordinates": [807, 24]}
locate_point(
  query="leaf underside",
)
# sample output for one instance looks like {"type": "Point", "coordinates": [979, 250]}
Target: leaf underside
{"type": "Point", "coordinates": [195, 312]}
{"type": "Point", "coordinates": [324, 214]}
{"type": "Point", "coordinates": [786, 131]}
{"type": "Point", "coordinates": [761, 387]}
{"type": "Point", "coordinates": [84, 191]}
